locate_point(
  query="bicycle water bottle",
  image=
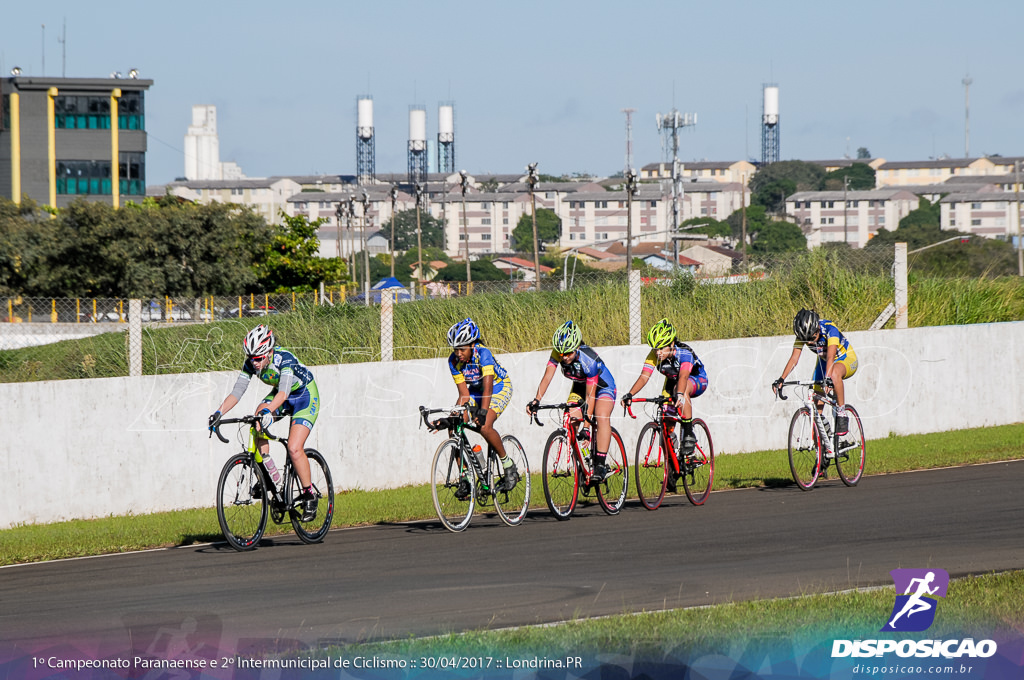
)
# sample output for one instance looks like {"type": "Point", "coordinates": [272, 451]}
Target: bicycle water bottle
{"type": "Point", "coordinates": [271, 466]}
{"type": "Point", "coordinates": [478, 454]}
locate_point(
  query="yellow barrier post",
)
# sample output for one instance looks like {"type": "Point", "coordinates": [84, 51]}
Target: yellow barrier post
{"type": "Point", "coordinates": [94, 317]}
{"type": "Point", "coordinates": [167, 306]}
{"type": "Point", "coordinates": [78, 310]}
{"type": "Point", "coordinates": [120, 310]}
{"type": "Point", "coordinates": [10, 311]}
{"type": "Point", "coordinates": [53, 311]}
{"type": "Point", "coordinates": [266, 303]}
{"type": "Point", "coordinates": [293, 301]}
{"type": "Point", "coordinates": [239, 306]}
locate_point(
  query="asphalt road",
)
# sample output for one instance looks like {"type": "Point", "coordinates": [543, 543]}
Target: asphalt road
{"type": "Point", "coordinates": [419, 579]}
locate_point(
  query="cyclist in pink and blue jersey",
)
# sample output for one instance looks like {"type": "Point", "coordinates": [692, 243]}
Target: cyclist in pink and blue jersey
{"type": "Point", "coordinates": [592, 385]}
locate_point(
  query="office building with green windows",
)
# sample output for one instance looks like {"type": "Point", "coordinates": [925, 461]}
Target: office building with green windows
{"type": "Point", "coordinates": [59, 138]}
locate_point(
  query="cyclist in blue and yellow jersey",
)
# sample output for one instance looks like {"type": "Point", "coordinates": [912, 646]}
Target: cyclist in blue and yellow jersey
{"type": "Point", "coordinates": [592, 385]}
{"type": "Point", "coordinates": [485, 386]}
{"type": "Point", "coordinates": [685, 379]}
{"type": "Point", "coordinates": [836, 359]}
{"type": "Point", "coordinates": [294, 394]}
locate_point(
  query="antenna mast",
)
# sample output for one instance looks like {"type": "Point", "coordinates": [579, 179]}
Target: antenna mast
{"type": "Point", "coordinates": [629, 141]}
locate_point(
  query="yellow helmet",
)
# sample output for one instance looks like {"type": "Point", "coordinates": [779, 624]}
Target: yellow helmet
{"type": "Point", "coordinates": [662, 334]}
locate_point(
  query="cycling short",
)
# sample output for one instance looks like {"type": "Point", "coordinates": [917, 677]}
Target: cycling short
{"type": "Point", "coordinates": [849, 362]}
{"type": "Point", "coordinates": [699, 382]}
{"type": "Point", "coordinates": [499, 401]}
{"type": "Point", "coordinates": [302, 405]}
{"type": "Point", "coordinates": [579, 388]}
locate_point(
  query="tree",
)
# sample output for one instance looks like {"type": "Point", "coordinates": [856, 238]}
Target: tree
{"type": "Point", "coordinates": [711, 227]}
{"type": "Point", "coordinates": [863, 153]}
{"type": "Point", "coordinates": [862, 178]}
{"type": "Point", "coordinates": [772, 183]}
{"type": "Point", "coordinates": [778, 237]}
{"type": "Point", "coordinates": [404, 225]}
{"type": "Point", "coordinates": [290, 261]}
{"type": "Point", "coordinates": [549, 229]}
{"type": "Point", "coordinates": [757, 218]}
{"type": "Point", "coordinates": [481, 270]}
{"type": "Point", "coordinates": [27, 238]}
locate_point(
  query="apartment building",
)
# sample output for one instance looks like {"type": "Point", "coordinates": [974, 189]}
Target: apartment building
{"type": "Point", "coordinates": [59, 138]}
{"type": "Point", "coordinates": [716, 171]}
{"type": "Point", "coordinates": [853, 216]}
{"type": "Point", "coordinates": [993, 214]}
{"type": "Point", "coordinates": [901, 173]}
{"type": "Point", "coordinates": [267, 196]}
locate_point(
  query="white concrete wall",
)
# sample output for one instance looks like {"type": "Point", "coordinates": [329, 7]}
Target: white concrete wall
{"type": "Point", "coordinates": [115, 446]}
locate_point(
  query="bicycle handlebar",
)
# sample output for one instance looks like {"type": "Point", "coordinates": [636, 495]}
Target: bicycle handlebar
{"type": "Point", "coordinates": [659, 400]}
{"type": "Point", "coordinates": [800, 383]}
{"type": "Point", "coordinates": [248, 420]}
{"type": "Point", "coordinates": [564, 406]}
{"type": "Point", "coordinates": [425, 413]}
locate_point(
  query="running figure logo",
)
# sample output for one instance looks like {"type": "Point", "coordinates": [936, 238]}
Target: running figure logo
{"type": "Point", "coordinates": [914, 610]}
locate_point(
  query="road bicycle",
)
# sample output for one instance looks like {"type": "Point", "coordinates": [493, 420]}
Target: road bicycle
{"type": "Point", "coordinates": [461, 476]}
{"type": "Point", "coordinates": [658, 464]}
{"type": "Point", "coordinates": [568, 470]}
{"type": "Point", "coordinates": [247, 493]}
{"type": "Point", "coordinates": [813, 447]}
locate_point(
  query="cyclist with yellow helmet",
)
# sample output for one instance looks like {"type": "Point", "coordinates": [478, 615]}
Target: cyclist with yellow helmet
{"type": "Point", "coordinates": [592, 385]}
{"type": "Point", "coordinates": [685, 379]}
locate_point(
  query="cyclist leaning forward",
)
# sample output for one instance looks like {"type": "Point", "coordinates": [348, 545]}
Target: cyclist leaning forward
{"type": "Point", "coordinates": [485, 386]}
{"type": "Point", "coordinates": [685, 379]}
{"type": "Point", "coordinates": [836, 359]}
{"type": "Point", "coordinates": [592, 383]}
{"type": "Point", "coordinates": [294, 394]}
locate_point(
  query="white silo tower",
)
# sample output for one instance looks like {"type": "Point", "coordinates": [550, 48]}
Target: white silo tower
{"type": "Point", "coordinates": [770, 125]}
{"type": "Point", "coordinates": [446, 137]}
{"type": "Point", "coordinates": [417, 144]}
{"type": "Point", "coordinates": [365, 150]}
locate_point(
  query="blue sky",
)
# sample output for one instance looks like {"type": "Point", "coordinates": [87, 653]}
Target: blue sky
{"type": "Point", "coordinates": [545, 82]}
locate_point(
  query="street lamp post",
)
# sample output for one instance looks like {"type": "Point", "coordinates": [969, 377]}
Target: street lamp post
{"type": "Point", "coordinates": [350, 211]}
{"type": "Point", "coordinates": [366, 251]}
{"type": "Point", "coordinates": [531, 180]}
{"type": "Point", "coordinates": [464, 181]}
{"type": "Point", "coordinates": [846, 231]}
{"type": "Point", "coordinates": [419, 232]}
{"type": "Point", "coordinates": [1016, 191]}
{"type": "Point", "coordinates": [630, 192]}
{"type": "Point", "coordinates": [339, 212]}
{"type": "Point", "coordinates": [394, 200]}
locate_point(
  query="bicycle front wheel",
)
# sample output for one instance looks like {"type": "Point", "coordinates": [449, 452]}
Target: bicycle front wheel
{"type": "Point", "coordinates": [649, 467]}
{"type": "Point", "coordinates": [561, 475]}
{"type": "Point", "coordinates": [313, 530]}
{"type": "Point", "coordinates": [699, 468]}
{"type": "Point", "coordinates": [512, 505]}
{"type": "Point", "coordinates": [452, 485]}
{"type": "Point", "coordinates": [241, 510]}
{"type": "Point", "coordinates": [804, 449]}
{"type": "Point", "coordinates": [851, 455]}
{"type": "Point", "coordinates": [612, 490]}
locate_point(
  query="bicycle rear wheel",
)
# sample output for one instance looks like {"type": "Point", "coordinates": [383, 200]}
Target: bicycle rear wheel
{"type": "Point", "coordinates": [851, 455]}
{"type": "Point", "coordinates": [512, 505]}
{"type": "Point", "coordinates": [561, 475]}
{"type": "Point", "coordinates": [650, 467]}
{"type": "Point", "coordinates": [804, 449]}
{"type": "Point", "coordinates": [241, 510]}
{"type": "Point", "coordinates": [452, 485]}
{"type": "Point", "coordinates": [315, 529]}
{"type": "Point", "coordinates": [699, 468]}
{"type": "Point", "coordinates": [612, 491]}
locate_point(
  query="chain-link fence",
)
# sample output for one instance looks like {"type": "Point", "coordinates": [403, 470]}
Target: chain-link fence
{"type": "Point", "coordinates": [727, 295]}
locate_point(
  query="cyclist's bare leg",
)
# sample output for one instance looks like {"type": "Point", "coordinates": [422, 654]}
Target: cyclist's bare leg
{"type": "Point", "coordinates": [296, 451]}
{"type": "Point", "coordinates": [837, 374]}
{"type": "Point", "coordinates": [491, 435]}
{"type": "Point", "coordinates": [602, 414]}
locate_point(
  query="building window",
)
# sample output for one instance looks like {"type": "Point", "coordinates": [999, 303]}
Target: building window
{"type": "Point", "coordinates": [486, 237]}
{"type": "Point", "coordinates": [504, 220]}
{"type": "Point", "coordinates": [831, 220]}
{"type": "Point", "coordinates": [484, 205]}
{"type": "Point", "coordinates": [654, 204]}
{"type": "Point", "coordinates": [485, 220]}
{"type": "Point", "coordinates": [975, 206]}
{"type": "Point", "coordinates": [94, 177]}
{"type": "Point", "coordinates": [92, 112]}
{"type": "Point", "coordinates": [572, 237]}
{"type": "Point", "coordinates": [975, 223]}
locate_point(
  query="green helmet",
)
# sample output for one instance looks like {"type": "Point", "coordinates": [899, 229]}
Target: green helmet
{"type": "Point", "coordinates": [567, 338]}
{"type": "Point", "coordinates": [662, 334]}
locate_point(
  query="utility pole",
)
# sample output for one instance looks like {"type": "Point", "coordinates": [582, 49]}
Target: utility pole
{"type": "Point", "coordinates": [846, 186]}
{"type": "Point", "coordinates": [671, 122]}
{"type": "Point", "coordinates": [464, 182]}
{"type": "Point", "coordinates": [394, 201]}
{"type": "Point", "coordinates": [1016, 193]}
{"type": "Point", "coordinates": [366, 251]}
{"type": "Point", "coordinates": [967, 115]}
{"type": "Point", "coordinates": [351, 211]}
{"type": "Point", "coordinates": [531, 180]}
{"type": "Point", "coordinates": [630, 192]}
{"type": "Point", "coordinates": [629, 140]}
{"type": "Point", "coordinates": [743, 221]}
{"type": "Point", "coordinates": [419, 232]}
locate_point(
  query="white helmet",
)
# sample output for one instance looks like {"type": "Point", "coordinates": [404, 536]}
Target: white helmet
{"type": "Point", "coordinates": [258, 342]}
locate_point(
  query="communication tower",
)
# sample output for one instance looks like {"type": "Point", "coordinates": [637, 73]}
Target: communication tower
{"type": "Point", "coordinates": [417, 145]}
{"type": "Point", "coordinates": [669, 124]}
{"type": "Point", "coordinates": [365, 151]}
{"type": "Point", "coordinates": [770, 125]}
{"type": "Point", "coordinates": [446, 138]}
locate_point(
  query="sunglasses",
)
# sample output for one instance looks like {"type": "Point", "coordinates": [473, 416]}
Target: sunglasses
{"type": "Point", "coordinates": [261, 357]}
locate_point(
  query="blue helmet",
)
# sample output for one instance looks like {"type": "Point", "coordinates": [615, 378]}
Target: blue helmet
{"type": "Point", "coordinates": [464, 332]}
